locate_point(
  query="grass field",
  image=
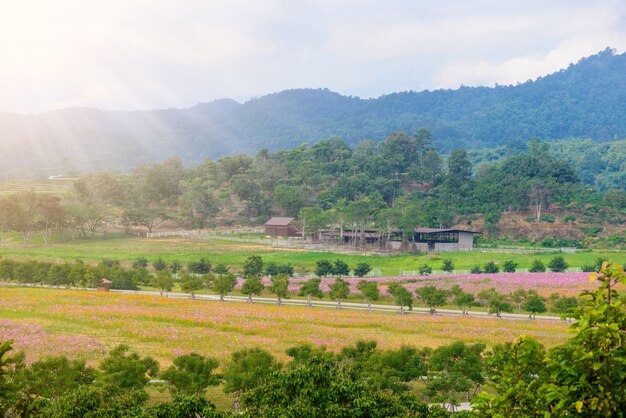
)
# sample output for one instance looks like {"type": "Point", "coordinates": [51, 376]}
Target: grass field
{"type": "Point", "coordinates": [86, 324]}
{"type": "Point", "coordinates": [127, 249]}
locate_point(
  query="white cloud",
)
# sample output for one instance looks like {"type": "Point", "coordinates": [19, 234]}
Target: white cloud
{"type": "Point", "coordinates": [159, 53]}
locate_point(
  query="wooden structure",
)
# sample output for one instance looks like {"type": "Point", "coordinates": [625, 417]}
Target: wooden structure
{"type": "Point", "coordinates": [104, 285]}
{"type": "Point", "coordinates": [281, 227]}
{"type": "Point", "coordinates": [440, 239]}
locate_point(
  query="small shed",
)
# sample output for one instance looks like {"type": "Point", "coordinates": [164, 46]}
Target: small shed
{"type": "Point", "coordinates": [281, 226]}
{"type": "Point", "coordinates": [104, 285]}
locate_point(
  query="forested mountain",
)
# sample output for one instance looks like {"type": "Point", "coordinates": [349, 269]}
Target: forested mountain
{"type": "Point", "coordinates": [583, 101]}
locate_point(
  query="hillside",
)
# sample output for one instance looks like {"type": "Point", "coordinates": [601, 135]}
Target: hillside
{"type": "Point", "coordinates": [583, 101]}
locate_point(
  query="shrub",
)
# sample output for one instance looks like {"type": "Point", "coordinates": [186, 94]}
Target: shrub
{"type": "Point", "coordinates": [425, 270]}
{"type": "Point", "coordinates": [492, 267]}
{"type": "Point", "coordinates": [570, 218]}
{"type": "Point", "coordinates": [537, 267]}
{"type": "Point", "coordinates": [362, 269]}
{"type": "Point", "coordinates": [547, 218]}
{"type": "Point", "coordinates": [509, 266]}
{"type": "Point", "coordinates": [476, 270]}
{"type": "Point", "coordinates": [558, 264]}
{"type": "Point", "coordinates": [447, 266]}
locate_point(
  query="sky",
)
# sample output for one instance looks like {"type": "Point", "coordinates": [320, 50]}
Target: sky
{"type": "Point", "coordinates": [147, 54]}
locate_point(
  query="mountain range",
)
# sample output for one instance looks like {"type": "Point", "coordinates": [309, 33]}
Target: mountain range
{"type": "Point", "coordinates": [585, 100]}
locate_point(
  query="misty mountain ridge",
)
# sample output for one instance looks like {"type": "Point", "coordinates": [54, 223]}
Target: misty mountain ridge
{"type": "Point", "coordinates": [586, 100]}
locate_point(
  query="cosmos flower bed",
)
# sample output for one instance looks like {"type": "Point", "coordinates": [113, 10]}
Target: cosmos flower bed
{"type": "Point", "coordinates": [566, 284]}
{"type": "Point", "coordinates": [86, 324]}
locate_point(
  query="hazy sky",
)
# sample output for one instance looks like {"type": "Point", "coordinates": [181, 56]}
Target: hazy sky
{"type": "Point", "coordinates": [143, 54]}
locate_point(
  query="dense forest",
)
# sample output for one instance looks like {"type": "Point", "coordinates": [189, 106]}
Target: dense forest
{"type": "Point", "coordinates": [583, 101]}
{"type": "Point", "coordinates": [395, 185]}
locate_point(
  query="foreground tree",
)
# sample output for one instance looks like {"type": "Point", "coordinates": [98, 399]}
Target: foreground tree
{"type": "Point", "coordinates": [280, 287]}
{"type": "Point", "coordinates": [311, 288]}
{"type": "Point", "coordinates": [339, 290]}
{"type": "Point", "coordinates": [190, 374]}
{"type": "Point", "coordinates": [586, 376]}
{"type": "Point", "coordinates": [369, 290]}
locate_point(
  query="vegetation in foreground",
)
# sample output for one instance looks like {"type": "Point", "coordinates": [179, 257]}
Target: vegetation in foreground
{"type": "Point", "coordinates": [584, 376]}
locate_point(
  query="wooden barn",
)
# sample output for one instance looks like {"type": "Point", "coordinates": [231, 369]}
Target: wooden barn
{"type": "Point", "coordinates": [281, 227]}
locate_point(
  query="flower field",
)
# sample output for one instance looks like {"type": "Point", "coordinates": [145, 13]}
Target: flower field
{"type": "Point", "coordinates": [86, 324]}
{"type": "Point", "coordinates": [565, 284]}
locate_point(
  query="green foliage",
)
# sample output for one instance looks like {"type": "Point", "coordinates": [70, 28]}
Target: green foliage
{"type": "Point", "coordinates": [583, 377]}
{"type": "Point", "coordinates": [340, 268]}
{"type": "Point", "coordinates": [280, 287]}
{"type": "Point", "coordinates": [247, 369]}
{"type": "Point", "coordinates": [537, 267]}
{"type": "Point", "coordinates": [491, 267]}
{"type": "Point", "coordinates": [159, 264]}
{"type": "Point", "coordinates": [432, 296]}
{"type": "Point", "coordinates": [202, 266]}
{"type": "Point", "coordinates": [253, 266]}
{"type": "Point", "coordinates": [191, 283]}
{"type": "Point", "coordinates": [448, 266]}
{"type": "Point", "coordinates": [323, 268]}
{"type": "Point", "coordinates": [509, 266]}
{"type": "Point", "coordinates": [558, 264]}
{"type": "Point", "coordinates": [476, 270]}
{"type": "Point", "coordinates": [311, 288]}
{"type": "Point", "coordinates": [362, 269]}
{"type": "Point", "coordinates": [163, 281]}
{"type": "Point", "coordinates": [124, 370]}
{"type": "Point", "coordinates": [534, 304]}
{"type": "Point", "coordinates": [401, 296]}
{"type": "Point", "coordinates": [339, 289]}
{"type": "Point", "coordinates": [223, 284]}
{"type": "Point", "coordinates": [425, 270]}
{"type": "Point", "coordinates": [252, 286]}
{"type": "Point", "coordinates": [369, 290]}
{"type": "Point", "coordinates": [190, 374]}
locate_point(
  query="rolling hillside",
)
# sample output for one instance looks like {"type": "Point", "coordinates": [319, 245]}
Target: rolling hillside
{"type": "Point", "coordinates": [583, 101]}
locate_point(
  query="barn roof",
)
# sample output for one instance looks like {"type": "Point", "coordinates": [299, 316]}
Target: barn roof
{"type": "Point", "coordinates": [105, 281]}
{"type": "Point", "coordinates": [279, 221]}
{"type": "Point", "coordinates": [436, 230]}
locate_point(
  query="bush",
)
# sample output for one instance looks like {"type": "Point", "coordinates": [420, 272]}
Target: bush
{"type": "Point", "coordinates": [509, 266]}
{"type": "Point", "coordinates": [558, 264]}
{"type": "Point", "coordinates": [323, 268]}
{"type": "Point", "coordinates": [547, 218]}
{"type": "Point", "coordinates": [341, 268]}
{"type": "Point", "coordinates": [492, 267]}
{"type": "Point", "coordinates": [362, 269]}
{"type": "Point", "coordinates": [537, 267]}
{"type": "Point", "coordinates": [447, 266]}
{"type": "Point", "coordinates": [425, 270]}
{"type": "Point", "coordinates": [570, 218]}
{"type": "Point", "coordinates": [476, 270]}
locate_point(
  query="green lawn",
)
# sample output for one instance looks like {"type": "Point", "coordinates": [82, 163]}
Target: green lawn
{"type": "Point", "coordinates": [126, 249]}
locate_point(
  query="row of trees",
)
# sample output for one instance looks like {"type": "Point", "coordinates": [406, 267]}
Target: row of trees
{"type": "Point", "coordinates": [200, 275]}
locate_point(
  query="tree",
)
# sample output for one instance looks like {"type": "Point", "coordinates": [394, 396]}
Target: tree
{"type": "Point", "coordinates": [159, 264]}
{"type": "Point", "coordinates": [252, 286]}
{"type": "Point", "coordinates": [246, 370]}
{"type": "Point", "coordinates": [534, 304]}
{"type": "Point", "coordinates": [311, 288]}
{"type": "Point", "coordinates": [253, 266]}
{"type": "Point", "coordinates": [491, 267]}
{"type": "Point", "coordinates": [223, 284]}
{"type": "Point", "coordinates": [509, 266]}
{"type": "Point", "coordinates": [280, 287]}
{"type": "Point", "coordinates": [425, 270]}
{"type": "Point", "coordinates": [339, 289]}
{"type": "Point", "coordinates": [537, 267]}
{"type": "Point", "coordinates": [448, 266]}
{"type": "Point", "coordinates": [163, 281]}
{"type": "Point", "coordinates": [190, 374]}
{"type": "Point", "coordinates": [558, 264]}
{"type": "Point", "coordinates": [464, 300]}
{"type": "Point", "coordinates": [323, 268]}
{"type": "Point", "coordinates": [401, 296]}
{"type": "Point", "coordinates": [123, 369]}
{"type": "Point", "coordinates": [362, 269]}
{"type": "Point", "coordinates": [340, 268]}
{"type": "Point", "coordinates": [370, 291]}
{"type": "Point", "coordinates": [191, 283]}
{"type": "Point", "coordinates": [432, 297]}
{"type": "Point", "coordinates": [202, 266]}
{"type": "Point", "coordinates": [454, 370]}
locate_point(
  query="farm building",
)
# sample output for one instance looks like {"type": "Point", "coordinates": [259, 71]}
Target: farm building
{"type": "Point", "coordinates": [281, 226]}
{"type": "Point", "coordinates": [435, 239]}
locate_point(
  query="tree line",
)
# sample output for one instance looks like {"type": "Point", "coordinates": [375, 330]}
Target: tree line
{"type": "Point", "coordinates": [395, 185]}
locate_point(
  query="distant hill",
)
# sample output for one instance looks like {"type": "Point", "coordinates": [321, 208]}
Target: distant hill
{"type": "Point", "coordinates": [586, 100]}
